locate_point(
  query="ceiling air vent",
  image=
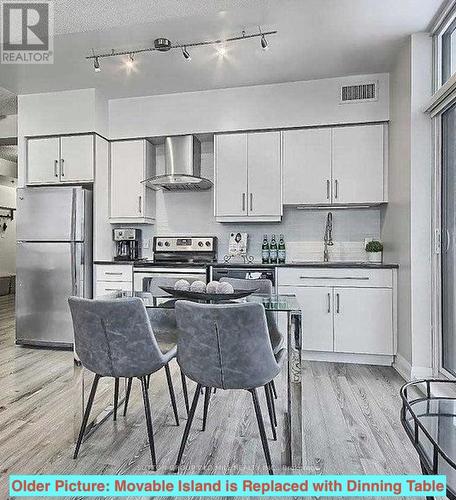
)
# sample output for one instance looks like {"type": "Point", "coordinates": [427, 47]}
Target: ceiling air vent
{"type": "Point", "coordinates": [363, 92]}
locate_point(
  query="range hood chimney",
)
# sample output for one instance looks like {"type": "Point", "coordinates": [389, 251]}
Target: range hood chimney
{"type": "Point", "coordinates": [182, 166]}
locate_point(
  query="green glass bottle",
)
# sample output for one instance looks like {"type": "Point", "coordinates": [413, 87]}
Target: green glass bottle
{"type": "Point", "coordinates": [265, 250]}
{"type": "Point", "coordinates": [282, 251]}
{"type": "Point", "coordinates": [273, 250]}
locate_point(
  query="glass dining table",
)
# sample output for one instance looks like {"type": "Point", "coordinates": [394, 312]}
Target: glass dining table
{"type": "Point", "coordinates": [286, 304]}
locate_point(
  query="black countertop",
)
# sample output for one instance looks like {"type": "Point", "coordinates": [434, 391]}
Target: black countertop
{"type": "Point", "coordinates": [320, 265]}
{"type": "Point", "coordinates": [323, 265]}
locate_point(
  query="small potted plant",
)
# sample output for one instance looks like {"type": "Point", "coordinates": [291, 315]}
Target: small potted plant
{"type": "Point", "coordinates": [374, 251]}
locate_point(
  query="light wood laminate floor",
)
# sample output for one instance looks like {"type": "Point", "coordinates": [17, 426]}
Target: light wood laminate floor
{"type": "Point", "coordinates": [351, 422]}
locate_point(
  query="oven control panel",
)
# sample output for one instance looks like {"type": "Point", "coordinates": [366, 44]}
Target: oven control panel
{"type": "Point", "coordinates": [178, 244]}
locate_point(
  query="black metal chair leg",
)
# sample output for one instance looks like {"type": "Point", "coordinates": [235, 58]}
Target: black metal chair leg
{"type": "Point", "coordinates": [127, 395]}
{"type": "Point", "coordinates": [268, 394]}
{"type": "Point", "coordinates": [184, 390]}
{"type": "Point", "coordinates": [188, 426]}
{"type": "Point", "coordinates": [424, 472]}
{"type": "Point", "coordinates": [274, 414]}
{"type": "Point", "coordinates": [171, 393]}
{"type": "Point", "coordinates": [264, 440]}
{"type": "Point", "coordinates": [207, 398]}
{"type": "Point", "coordinates": [150, 431]}
{"type": "Point", "coordinates": [85, 419]}
{"type": "Point", "coordinates": [273, 387]}
{"type": "Point", "coordinates": [116, 397]}
{"type": "Point", "coordinates": [148, 381]}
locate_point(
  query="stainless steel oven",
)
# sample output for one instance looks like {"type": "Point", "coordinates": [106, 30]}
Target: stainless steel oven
{"type": "Point", "coordinates": [175, 258]}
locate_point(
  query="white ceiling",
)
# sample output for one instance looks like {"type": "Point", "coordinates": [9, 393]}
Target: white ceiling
{"type": "Point", "coordinates": [316, 39]}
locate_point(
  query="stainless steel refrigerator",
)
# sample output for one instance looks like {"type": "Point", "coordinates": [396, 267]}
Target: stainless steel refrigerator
{"type": "Point", "coordinates": [54, 261]}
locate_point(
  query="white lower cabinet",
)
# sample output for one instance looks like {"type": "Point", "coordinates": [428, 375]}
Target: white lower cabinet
{"type": "Point", "coordinates": [363, 320]}
{"type": "Point", "coordinates": [111, 278]}
{"type": "Point", "coordinates": [107, 287]}
{"type": "Point", "coordinates": [357, 318]}
{"type": "Point", "coordinates": [317, 319]}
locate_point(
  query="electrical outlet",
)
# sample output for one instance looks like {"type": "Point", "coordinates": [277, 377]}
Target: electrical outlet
{"type": "Point", "coordinates": [146, 244]}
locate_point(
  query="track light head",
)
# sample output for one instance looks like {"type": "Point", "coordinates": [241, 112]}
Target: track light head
{"type": "Point", "coordinates": [130, 61]}
{"type": "Point", "coordinates": [96, 65]}
{"type": "Point", "coordinates": [221, 50]}
{"type": "Point", "coordinates": [186, 54]}
{"type": "Point", "coordinates": [264, 43]}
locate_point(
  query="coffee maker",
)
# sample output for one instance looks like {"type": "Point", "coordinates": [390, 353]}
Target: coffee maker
{"type": "Point", "coordinates": [127, 242]}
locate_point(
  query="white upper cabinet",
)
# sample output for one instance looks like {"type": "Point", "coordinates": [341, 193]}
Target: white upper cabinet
{"type": "Point", "coordinates": [57, 160]}
{"type": "Point", "coordinates": [307, 166]}
{"type": "Point", "coordinates": [43, 161]}
{"type": "Point", "coordinates": [264, 174]}
{"type": "Point", "coordinates": [335, 165]}
{"type": "Point", "coordinates": [231, 175]}
{"type": "Point", "coordinates": [248, 177]}
{"type": "Point", "coordinates": [358, 164]}
{"type": "Point", "coordinates": [131, 163]}
{"type": "Point", "coordinates": [77, 158]}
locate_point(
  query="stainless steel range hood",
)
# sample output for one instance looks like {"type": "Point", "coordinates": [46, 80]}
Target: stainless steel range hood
{"type": "Point", "coordinates": [182, 166]}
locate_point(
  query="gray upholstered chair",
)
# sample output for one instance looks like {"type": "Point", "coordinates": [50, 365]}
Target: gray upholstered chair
{"type": "Point", "coordinates": [225, 346]}
{"type": "Point", "coordinates": [264, 287]}
{"type": "Point", "coordinates": [164, 326]}
{"type": "Point", "coordinates": [114, 338]}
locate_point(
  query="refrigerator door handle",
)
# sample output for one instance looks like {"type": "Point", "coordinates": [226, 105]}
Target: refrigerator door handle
{"type": "Point", "coordinates": [74, 281]}
{"type": "Point", "coordinates": [73, 215]}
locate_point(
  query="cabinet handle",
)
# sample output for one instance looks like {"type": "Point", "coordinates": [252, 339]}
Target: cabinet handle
{"type": "Point", "coordinates": [327, 189]}
{"type": "Point", "coordinates": [112, 273]}
{"type": "Point", "coordinates": [337, 303]}
{"type": "Point", "coordinates": [140, 204]}
{"type": "Point", "coordinates": [56, 168]}
{"type": "Point", "coordinates": [329, 302]}
{"type": "Point", "coordinates": [336, 188]}
{"type": "Point", "coordinates": [334, 277]}
{"type": "Point", "coordinates": [113, 289]}
{"type": "Point", "coordinates": [251, 201]}
{"type": "Point", "coordinates": [62, 173]}
{"type": "Point", "coordinates": [243, 202]}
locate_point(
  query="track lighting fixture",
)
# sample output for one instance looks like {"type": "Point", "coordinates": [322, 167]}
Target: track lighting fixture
{"type": "Point", "coordinates": [186, 54]}
{"type": "Point", "coordinates": [264, 43]}
{"type": "Point", "coordinates": [162, 44]}
{"type": "Point", "coordinates": [130, 61]}
{"type": "Point", "coordinates": [221, 51]}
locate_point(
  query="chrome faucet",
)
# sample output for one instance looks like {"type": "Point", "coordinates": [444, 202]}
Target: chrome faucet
{"type": "Point", "coordinates": [327, 240]}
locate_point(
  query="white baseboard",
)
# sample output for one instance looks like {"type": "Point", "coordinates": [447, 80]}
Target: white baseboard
{"type": "Point", "coordinates": [403, 367]}
{"type": "Point", "coordinates": [409, 372]}
{"type": "Point", "coordinates": [341, 357]}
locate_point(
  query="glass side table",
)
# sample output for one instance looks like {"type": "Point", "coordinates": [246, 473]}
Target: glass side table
{"type": "Point", "coordinates": [430, 423]}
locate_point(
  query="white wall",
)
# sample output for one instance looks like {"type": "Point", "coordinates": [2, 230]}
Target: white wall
{"type": "Point", "coordinates": [296, 104]}
{"type": "Point", "coordinates": [421, 205]}
{"type": "Point", "coordinates": [396, 223]}
{"type": "Point", "coordinates": [8, 237]}
{"type": "Point", "coordinates": [406, 222]}
{"type": "Point", "coordinates": [8, 126]}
